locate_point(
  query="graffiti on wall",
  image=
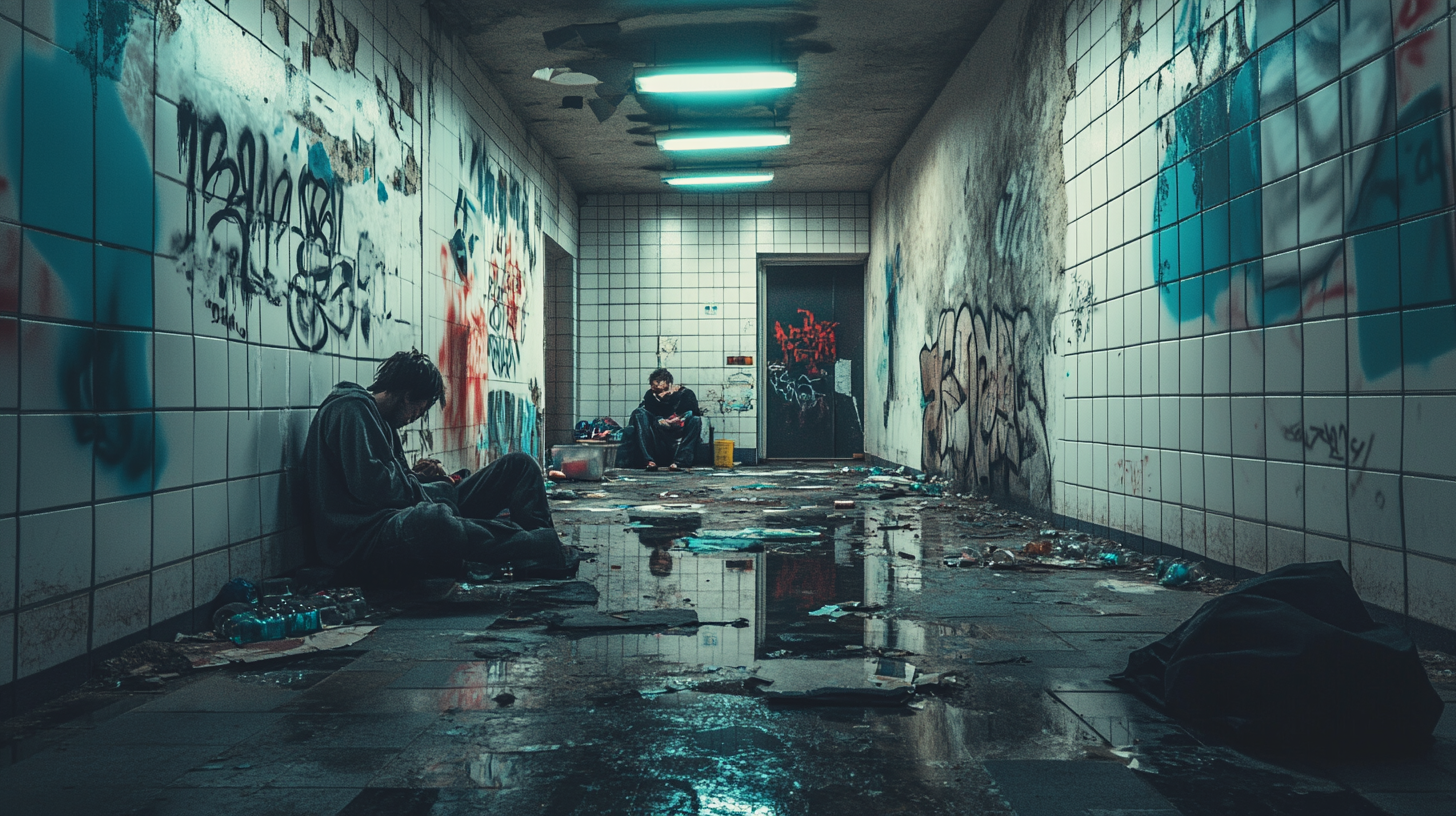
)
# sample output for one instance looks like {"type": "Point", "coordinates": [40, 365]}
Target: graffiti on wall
{"type": "Point", "coordinates": [87, 101]}
{"type": "Point", "coordinates": [1224, 241]}
{"type": "Point", "coordinates": [262, 233]}
{"type": "Point", "coordinates": [514, 426]}
{"type": "Point", "coordinates": [488, 266]}
{"type": "Point", "coordinates": [983, 389]}
{"type": "Point", "coordinates": [804, 378]}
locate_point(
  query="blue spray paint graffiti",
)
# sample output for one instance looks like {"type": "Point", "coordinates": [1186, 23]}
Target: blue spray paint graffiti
{"type": "Point", "coordinates": [88, 174]}
{"type": "Point", "coordinates": [1268, 213]}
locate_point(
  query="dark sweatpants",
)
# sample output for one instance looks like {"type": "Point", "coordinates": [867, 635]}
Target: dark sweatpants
{"type": "Point", "coordinates": [436, 538]}
{"type": "Point", "coordinates": [665, 446]}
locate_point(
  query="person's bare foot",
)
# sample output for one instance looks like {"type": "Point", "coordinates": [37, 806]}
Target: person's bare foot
{"type": "Point", "coordinates": [673, 467]}
{"type": "Point", "coordinates": [651, 466]}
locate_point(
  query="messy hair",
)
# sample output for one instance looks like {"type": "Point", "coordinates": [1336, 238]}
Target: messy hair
{"type": "Point", "coordinates": [412, 373]}
{"type": "Point", "coordinates": [660, 375]}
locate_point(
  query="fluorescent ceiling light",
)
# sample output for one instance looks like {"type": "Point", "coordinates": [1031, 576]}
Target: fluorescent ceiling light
{"type": "Point", "coordinates": [724, 178]}
{"type": "Point", "coordinates": [715, 80]}
{"type": "Point", "coordinates": [730, 140]}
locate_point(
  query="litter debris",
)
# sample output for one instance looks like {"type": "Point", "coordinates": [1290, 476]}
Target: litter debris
{"type": "Point", "coordinates": [223, 653]}
{"type": "Point", "coordinates": [642, 619]}
{"type": "Point", "coordinates": [1037, 548]}
{"type": "Point", "coordinates": [864, 681]}
{"type": "Point", "coordinates": [756, 486]}
{"type": "Point", "coordinates": [844, 504]}
{"type": "Point", "coordinates": [1171, 573]}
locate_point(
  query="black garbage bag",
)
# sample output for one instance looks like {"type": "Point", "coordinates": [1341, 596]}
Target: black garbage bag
{"type": "Point", "coordinates": [1291, 660]}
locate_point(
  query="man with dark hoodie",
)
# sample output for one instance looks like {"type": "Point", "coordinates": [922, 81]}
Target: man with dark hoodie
{"type": "Point", "coordinates": [376, 521]}
{"type": "Point", "coordinates": [667, 423]}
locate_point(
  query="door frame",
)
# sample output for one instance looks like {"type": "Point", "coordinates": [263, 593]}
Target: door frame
{"type": "Point", "coordinates": [766, 260]}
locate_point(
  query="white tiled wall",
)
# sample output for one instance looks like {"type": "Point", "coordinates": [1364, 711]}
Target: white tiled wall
{"type": "Point", "coordinates": [1284, 396]}
{"type": "Point", "coordinates": [681, 272]}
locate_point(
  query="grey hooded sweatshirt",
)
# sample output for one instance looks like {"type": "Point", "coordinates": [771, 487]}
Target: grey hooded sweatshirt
{"type": "Point", "coordinates": [356, 473]}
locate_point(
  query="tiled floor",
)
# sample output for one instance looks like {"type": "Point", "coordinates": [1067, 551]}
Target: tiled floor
{"type": "Point", "coordinates": [465, 703]}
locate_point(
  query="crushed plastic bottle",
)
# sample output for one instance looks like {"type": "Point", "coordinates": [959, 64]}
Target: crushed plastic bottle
{"type": "Point", "coordinates": [1173, 573]}
{"type": "Point", "coordinates": [1000, 558]}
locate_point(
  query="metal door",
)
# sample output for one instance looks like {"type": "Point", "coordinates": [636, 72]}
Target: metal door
{"type": "Point", "coordinates": [814, 355]}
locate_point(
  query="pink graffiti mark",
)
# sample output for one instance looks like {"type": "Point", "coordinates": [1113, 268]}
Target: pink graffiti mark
{"type": "Point", "coordinates": [811, 343]}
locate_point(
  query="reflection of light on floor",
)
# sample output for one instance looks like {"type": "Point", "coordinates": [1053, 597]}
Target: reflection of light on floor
{"type": "Point", "coordinates": [710, 804]}
{"type": "Point", "coordinates": [493, 770]}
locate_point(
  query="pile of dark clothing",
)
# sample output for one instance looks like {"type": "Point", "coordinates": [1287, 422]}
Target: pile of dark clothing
{"type": "Point", "coordinates": [1292, 661]}
{"type": "Point", "coordinates": [604, 429]}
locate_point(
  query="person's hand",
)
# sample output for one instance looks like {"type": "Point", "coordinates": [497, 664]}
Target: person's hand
{"type": "Point", "coordinates": [430, 468]}
{"type": "Point", "coordinates": [666, 423]}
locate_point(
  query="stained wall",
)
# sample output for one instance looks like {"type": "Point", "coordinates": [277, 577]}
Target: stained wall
{"type": "Point", "coordinates": [1251, 345]}
{"type": "Point", "coordinates": [209, 214]}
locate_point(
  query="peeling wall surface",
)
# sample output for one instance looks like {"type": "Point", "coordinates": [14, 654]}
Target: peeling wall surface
{"type": "Point", "coordinates": [1232, 330]}
{"type": "Point", "coordinates": [966, 270]}
{"type": "Point", "coordinates": [210, 214]}
{"type": "Point", "coordinates": [671, 280]}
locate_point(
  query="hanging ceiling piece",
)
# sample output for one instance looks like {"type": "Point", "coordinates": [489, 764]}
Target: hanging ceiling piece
{"type": "Point", "coordinates": [703, 79]}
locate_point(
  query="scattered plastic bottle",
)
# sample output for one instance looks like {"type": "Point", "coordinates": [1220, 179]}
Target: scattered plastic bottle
{"type": "Point", "coordinates": [251, 627]}
{"type": "Point", "coordinates": [1171, 573]}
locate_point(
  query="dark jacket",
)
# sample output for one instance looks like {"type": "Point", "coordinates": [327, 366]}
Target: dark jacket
{"type": "Point", "coordinates": [356, 473]}
{"type": "Point", "coordinates": [679, 402]}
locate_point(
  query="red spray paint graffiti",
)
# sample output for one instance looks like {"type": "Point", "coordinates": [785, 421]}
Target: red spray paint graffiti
{"type": "Point", "coordinates": [462, 357]}
{"type": "Point", "coordinates": [811, 343]}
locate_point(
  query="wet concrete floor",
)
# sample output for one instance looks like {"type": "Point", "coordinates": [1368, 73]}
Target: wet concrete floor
{"type": "Point", "coordinates": [958, 690]}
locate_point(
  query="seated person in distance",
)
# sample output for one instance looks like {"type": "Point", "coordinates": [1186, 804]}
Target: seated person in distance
{"type": "Point", "coordinates": [667, 423]}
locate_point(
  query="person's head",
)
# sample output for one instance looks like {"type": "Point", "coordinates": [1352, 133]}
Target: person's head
{"type": "Point", "coordinates": [405, 386]}
{"type": "Point", "coordinates": [659, 381]}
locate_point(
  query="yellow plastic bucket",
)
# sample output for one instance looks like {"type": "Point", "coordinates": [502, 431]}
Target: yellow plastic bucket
{"type": "Point", "coordinates": [722, 453]}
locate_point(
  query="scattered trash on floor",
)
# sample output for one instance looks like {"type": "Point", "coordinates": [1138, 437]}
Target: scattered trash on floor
{"type": "Point", "coordinates": [637, 619]}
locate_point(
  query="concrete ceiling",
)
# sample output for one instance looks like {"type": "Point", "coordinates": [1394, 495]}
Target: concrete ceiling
{"type": "Point", "coordinates": [868, 70]}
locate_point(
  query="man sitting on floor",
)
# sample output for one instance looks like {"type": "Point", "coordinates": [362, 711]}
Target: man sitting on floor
{"type": "Point", "coordinates": [376, 521]}
{"type": "Point", "coordinates": [667, 423]}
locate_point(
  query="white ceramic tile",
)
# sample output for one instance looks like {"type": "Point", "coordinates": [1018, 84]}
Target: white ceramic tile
{"type": "Point", "coordinates": [244, 515]}
{"type": "Point", "coordinates": [171, 526]}
{"type": "Point", "coordinates": [52, 634]}
{"type": "Point", "coordinates": [1284, 428]}
{"type": "Point", "coordinates": [1430, 445]}
{"type": "Point", "coordinates": [209, 460]}
{"type": "Point", "coordinates": [8, 565]}
{"type": "Point", "coordinates": [1285, 547]}
{"type": "Point", "coordinates": [1324, 548]}
{"type": "Point", "coordinates": [1324, 500]}
{"type": "Point", "coordinates": [123, 538]}
{"type": "Point", "coordinates": [1374, 507]}
{"type": "Point", "coordinates": [1284, 359]}
{"type": "Point", "coordinates": [211, 372]}
{"type": "Point", "coordinates": [9, 462]}
{"type": "Point", "coordinates": [122, 609]}
{"type": "Point", "coordinates": [1324, 356]}
{"type": "Point", "coordinates": [171, 593]}
{"type": "Point", "coordinates": [55, 554]}
{"type": "Point", "coordinates": [1285, 492]}
{"type": "Point", "coordinates": [1429, 586]}
{"type": "Point", "coordinates": [1246, 362]}
{"type": "Point", "coordinates": [209, 517]}
{"type": "Point", "coordinates": [55, 460]}
{"type": "Point", "coordinates": [1220, 545]}
{"type": "Point", "coordinates": [1430, 515]}
{"type": "Point", "coordinates": [1250, 546]}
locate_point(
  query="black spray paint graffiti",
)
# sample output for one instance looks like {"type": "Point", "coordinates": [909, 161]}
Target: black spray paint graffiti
{"type": "Point", "coordinates": [1335, 438]}
{"type": "Point", "coordinates": [243, 207]}
{"type": "Point", "coordinates": [983, 388]}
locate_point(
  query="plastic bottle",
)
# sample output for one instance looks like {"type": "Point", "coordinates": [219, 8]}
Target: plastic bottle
{"type": "Point", "coordinates": [252, 627]}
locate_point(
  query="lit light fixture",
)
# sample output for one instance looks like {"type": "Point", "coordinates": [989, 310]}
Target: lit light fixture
{"type": "Point", "coordinates": [720, 178]}
{"type": "Point", "coordinates": [728, 140]}
{"type": "Point", "coordinates": [715, 80]}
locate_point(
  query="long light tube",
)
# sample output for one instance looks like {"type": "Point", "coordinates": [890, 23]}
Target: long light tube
{"type": "Point", "coordinates": [706, 179]}
{"type": "Point", "coordinates": [715, 80]}
{"type": "Point", "coordinates": [730, 140]}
